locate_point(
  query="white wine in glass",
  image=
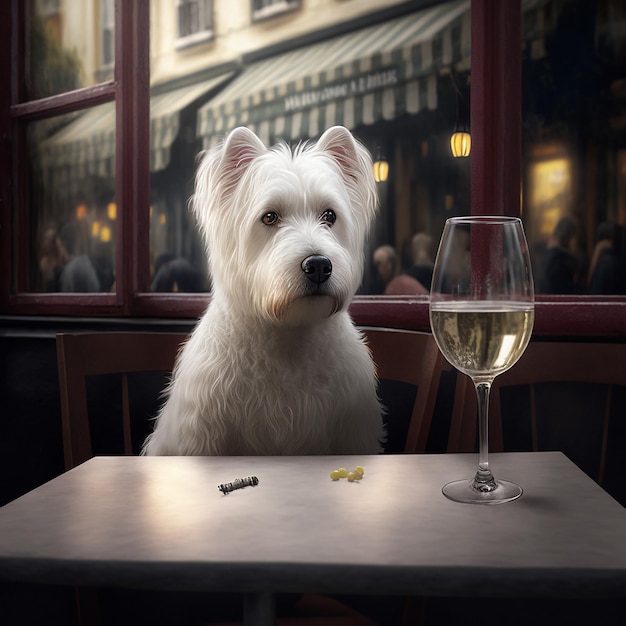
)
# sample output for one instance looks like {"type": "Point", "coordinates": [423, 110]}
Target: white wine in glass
{"type": "Point", "coordinates": [482, 314]}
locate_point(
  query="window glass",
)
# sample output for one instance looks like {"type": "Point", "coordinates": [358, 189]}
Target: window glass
{"type": "Point", "coordinates": [400, 85]}
{"type": "Point", "coordinates": [194, 16]}
{"type": "Point", "coordinates": [177, 257]}
{"type": "Point", "coordinates": [72, 201]}
{"type": "Point", "coordinates": [60, 57]}
{"type": "Point", "coordinates": [574, 145]}
{"type": "Point", "coordinates": [107, 39]}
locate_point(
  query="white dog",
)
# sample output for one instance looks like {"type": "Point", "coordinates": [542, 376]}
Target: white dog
{"type": "Point", "coordinates": [275, 365]}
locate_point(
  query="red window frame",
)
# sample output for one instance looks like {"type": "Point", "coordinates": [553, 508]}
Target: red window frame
{"type": "Point", "coordinates": [495, 178]}
{"type": "Point", "coordinates": [130, 89]}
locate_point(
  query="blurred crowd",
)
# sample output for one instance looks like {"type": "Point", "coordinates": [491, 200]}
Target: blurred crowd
{"type": "Point", "coordinates": [564, 270]}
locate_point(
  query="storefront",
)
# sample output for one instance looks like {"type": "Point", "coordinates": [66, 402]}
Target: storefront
{"type": "Point", "coordinates": [397, 86]}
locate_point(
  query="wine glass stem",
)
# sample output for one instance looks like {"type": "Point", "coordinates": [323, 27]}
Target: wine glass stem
{"type": "Point", "coordinates": [484, 478]}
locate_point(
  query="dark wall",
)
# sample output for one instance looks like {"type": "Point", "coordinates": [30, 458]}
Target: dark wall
{"type": "Point", "coordinates": [31, 447]}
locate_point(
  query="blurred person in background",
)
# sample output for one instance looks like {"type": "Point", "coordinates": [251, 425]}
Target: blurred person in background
{"type": "Point", "coordinates": [559, 271]}
{"type": "Point", "coordinates": [395, 283]}
{"type": "Point", "coordinates": [602, 277]}
{"type": "Point", "coordinates": [78, 275]}
{"type": "Point", "coordinates": [423, 262]}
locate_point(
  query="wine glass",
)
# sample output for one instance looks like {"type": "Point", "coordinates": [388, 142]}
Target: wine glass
{"type": "Point", "coordinates": [482, 314]}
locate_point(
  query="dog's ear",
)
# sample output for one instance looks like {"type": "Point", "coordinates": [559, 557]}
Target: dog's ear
{"type": "Point", "coordinates": [241, 147]}
{"type": "Point", "coordinates": [355, 163]}
{"type": "Point", "coordinates": [220, 171]}
{"type": "Point", "coordinates": [341, 145]}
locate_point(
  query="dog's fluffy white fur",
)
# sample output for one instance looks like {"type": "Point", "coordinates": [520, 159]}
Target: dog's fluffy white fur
{"type": "Point", "coordinates": [275, 365]}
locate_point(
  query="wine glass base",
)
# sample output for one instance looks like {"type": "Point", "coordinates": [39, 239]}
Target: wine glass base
{"type": "Point", "coordinates": [466, 492]}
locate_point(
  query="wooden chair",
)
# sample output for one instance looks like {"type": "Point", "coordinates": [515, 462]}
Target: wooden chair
{"type": "Point", "coordinates": [80, 356]}
{"type": "Point", "coordinates": [403, 356]}
{"type": "Point", "coordinates": [406, 357]}
{"type": "Point", "coordinates": [413, 358]}
{"type": "Point", "coordinates": [533, 391]}
{"type": "Point", "coordinates": [551, 373]}
{"type": "Point", "coordinates": [566, 396]}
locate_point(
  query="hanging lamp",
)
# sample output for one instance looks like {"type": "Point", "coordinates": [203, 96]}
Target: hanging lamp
{"type": "Point", "coordinates": [381, 167]}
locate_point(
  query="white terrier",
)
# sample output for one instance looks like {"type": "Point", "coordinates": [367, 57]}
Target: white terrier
{"type": "Point", "coordinates": [275, 366]}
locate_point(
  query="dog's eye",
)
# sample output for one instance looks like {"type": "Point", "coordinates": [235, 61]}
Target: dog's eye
{"type": "Point", "coordinates": [328, 217]}
{"type": "Point", "coordinates": [270, 218]}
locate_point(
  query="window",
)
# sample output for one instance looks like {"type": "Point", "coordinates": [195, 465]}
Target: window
{"type": "Point", "coordinates": [66, 207]}
{"type": "Point", "coordinates": [130, 132]}
{"type": "Point", "coordinates": [50, 16]}
{"type": "Point", "coordinates": [52, 64]}
{"type": "Point", "coordinates": [107, 21]}
{"type": "Point", "coordinates": [574, 71]}
{"type": "Point", "coordinates": [195, 21]}
{"type": "Point", "coordinates": [263, 9]}
{"type": "Point", "coordinates": [72, 201]}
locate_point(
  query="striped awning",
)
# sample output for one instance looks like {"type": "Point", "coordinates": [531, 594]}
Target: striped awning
{"type": "Point", "coordinates": [379, 72]}
{"type": "Point", "coordinates": [86, 146]}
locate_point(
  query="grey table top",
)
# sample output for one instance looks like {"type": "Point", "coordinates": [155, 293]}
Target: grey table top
{"type": "Point", "coordinates": [162, 523]}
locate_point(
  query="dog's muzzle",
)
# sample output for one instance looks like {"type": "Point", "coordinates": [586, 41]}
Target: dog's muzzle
{"type": "Point", "coordinates": [317, 268]}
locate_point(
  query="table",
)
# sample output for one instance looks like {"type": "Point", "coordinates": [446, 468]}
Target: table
{"type": "Point", "coordinates": [162, 523]}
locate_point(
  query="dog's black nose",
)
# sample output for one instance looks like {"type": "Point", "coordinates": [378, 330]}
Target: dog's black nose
{"type": "Point", "coordinates": [317, 268]}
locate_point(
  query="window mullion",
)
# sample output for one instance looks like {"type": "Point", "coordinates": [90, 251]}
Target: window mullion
{"type": "Point", "coordinates": [496, 107]}
{"type": "Point", "coordinates": [132, 72]}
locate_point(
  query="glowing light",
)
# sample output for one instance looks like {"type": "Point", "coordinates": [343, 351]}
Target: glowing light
{"type": "Point", "coordinates": [381, 171]}
{"type": "Point", "coordinates": [461, 144]}
{"type": "Point", "coordinates": [105, 234]}
{"type": "Point", "coordinates": [95, 229]}
{"type": "Point", "coordinates": [112, 211]}
{"type": "Point", "coordinates": [381, 166]}
{"type": "Point", "coordinates": [81, 211]}
{"type": "Point", "coordinates": [550, 192]}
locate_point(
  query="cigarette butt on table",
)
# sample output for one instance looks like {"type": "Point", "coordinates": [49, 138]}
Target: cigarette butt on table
{"type": "Point", "coordinates": [239, 483]}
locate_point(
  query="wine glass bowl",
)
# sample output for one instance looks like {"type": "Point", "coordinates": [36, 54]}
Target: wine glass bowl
{"type": "Point", "coordinates": [481, 315]}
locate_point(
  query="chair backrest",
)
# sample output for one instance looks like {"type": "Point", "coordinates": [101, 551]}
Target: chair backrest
{"type": "Point", "coordinates": [409, 357]}
{"type": "Point", "coordinates": [93, 354]}
{"type": "Point", "coordinates": [404, 356]}
{"type": "Point", "coordinates": [602, 365]}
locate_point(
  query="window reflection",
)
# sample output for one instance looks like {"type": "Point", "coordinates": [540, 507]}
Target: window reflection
{"type": "Point", "coordinates": [574, 129]}
{"type": "Point", "coordinates": [62, 50]}
{"type": "Point", "coordinates": [107, 40]}
{"type": "Point", "coordinates": [177, 256]}
{"type": "Point", "coordinates": [72, 200]}
{"type": "Point", "coordinates": [55, 66]}
{"type": "Point", "coordinates": [400, 85]}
